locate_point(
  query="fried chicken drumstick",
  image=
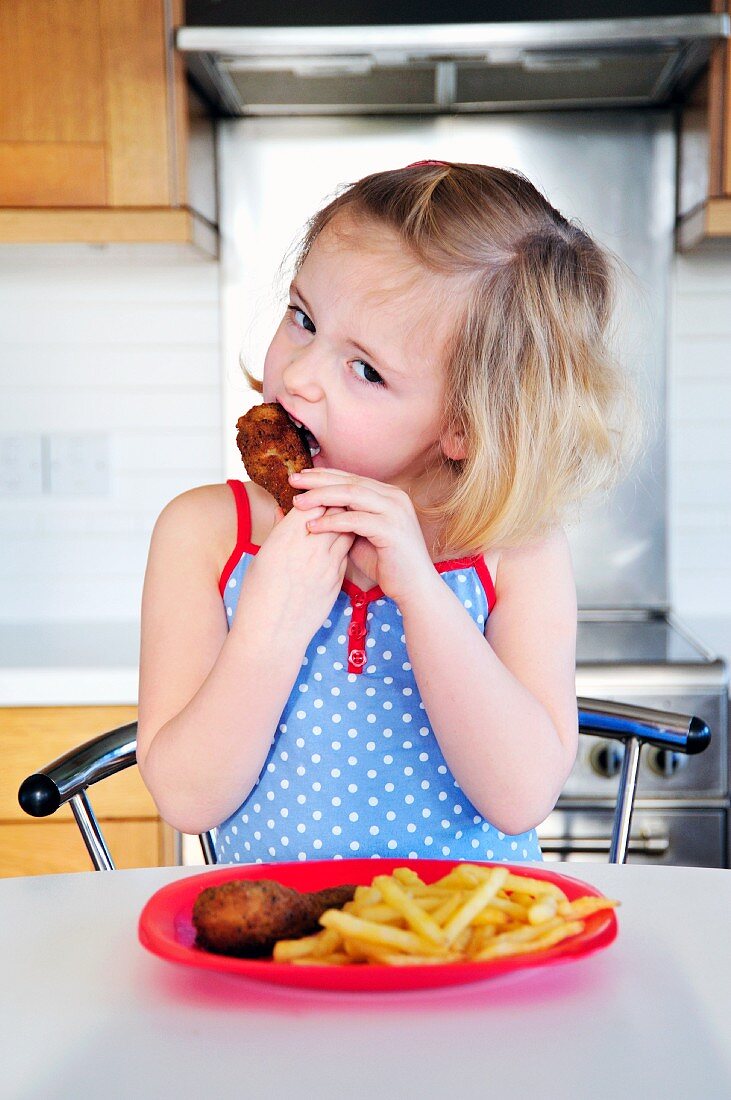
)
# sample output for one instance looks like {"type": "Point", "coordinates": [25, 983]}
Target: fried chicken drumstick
{"type": "Point", "coordinates": [247, 918]}
{"type": "Point", "coordinates": [272, 447]}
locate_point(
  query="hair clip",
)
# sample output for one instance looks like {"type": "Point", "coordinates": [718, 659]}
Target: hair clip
{"type": "Point", "coordinates": [419, 163]}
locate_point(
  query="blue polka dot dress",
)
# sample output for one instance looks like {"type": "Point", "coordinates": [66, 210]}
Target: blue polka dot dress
{"type": "Point", "coordinates": [354, 768]}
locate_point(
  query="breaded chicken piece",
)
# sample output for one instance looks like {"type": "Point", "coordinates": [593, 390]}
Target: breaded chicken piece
{"type": "Point", "coordinates": [272, 448]}
{"type": "Point", "coordinates": [246, 918]}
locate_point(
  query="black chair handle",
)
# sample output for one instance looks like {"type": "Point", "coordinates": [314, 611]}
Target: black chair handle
{"type": "Point", "coordinates": [42, 793]}
{"type": "Point", "coordinates": [666, 730]}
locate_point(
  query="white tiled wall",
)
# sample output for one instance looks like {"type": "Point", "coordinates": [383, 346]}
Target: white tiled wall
{"type": "Point", "coordinates": [120, 341]}
{"type": "Point", "coordinates": [127, 343]}
{"type": "Point", "coordinates": [699, 434]}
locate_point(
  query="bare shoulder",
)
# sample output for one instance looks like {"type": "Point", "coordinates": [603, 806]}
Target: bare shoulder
{"type": "Point", "coordinates": [200, 522]}
{"type": "Point", "coordinates": [204, 521]}
{"type": "Point", "coordinates": [537, 574]}
{"type": "Point", "coordinates": [550, 551]}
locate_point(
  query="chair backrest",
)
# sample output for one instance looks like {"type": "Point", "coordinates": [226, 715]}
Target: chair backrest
{"type": "Point", "coordinates": [67, 779]}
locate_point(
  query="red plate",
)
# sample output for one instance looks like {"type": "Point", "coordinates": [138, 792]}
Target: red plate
{"type": "Point", "coordinates": [166, 928]}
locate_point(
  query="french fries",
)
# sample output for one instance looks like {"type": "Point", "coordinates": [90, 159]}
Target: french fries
{"type": "Point", "coordinates": [474, 913]}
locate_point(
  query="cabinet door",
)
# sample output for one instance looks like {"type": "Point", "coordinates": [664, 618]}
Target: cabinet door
{"type": "Point", "coordinates": [52, 111]}
{"type": "Point", "coordinates": [87, 100]}
{"type": "Point", "coordinates": [49, 847]}
{"type": "Point", "coordinates": [138, 91]}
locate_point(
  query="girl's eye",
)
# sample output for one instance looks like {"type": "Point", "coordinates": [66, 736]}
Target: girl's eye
{"type": "Point", "coordinates": [369, 374]}
{"type": "Point", "coordinates": [301, 319]}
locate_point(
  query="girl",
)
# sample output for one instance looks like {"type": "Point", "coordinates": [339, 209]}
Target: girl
{"type": "Point", "coordinates": [389, 668]}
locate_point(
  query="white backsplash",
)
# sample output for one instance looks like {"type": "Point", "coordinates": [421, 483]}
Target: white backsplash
{"type": "Point", "coordinates": [121, 341]}
{"type": "Point", "coordinates": [699, 434]}
{"type": "Point", "coordinates": [125, 342]}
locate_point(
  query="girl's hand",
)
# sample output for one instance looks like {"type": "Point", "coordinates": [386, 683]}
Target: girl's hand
{"type": "Point", "coordinates": [296, 576]}
{"type": "Point", "coordinates": [390, 545]}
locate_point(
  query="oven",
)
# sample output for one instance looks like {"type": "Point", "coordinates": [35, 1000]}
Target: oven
{"type": "Point", "coordinates": [681, 811]}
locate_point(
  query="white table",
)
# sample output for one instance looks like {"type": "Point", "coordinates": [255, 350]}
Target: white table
{"type": "Point", "coordinates": [86, 1011]}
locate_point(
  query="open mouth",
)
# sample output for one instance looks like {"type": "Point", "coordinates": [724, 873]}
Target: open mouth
{"type": "Point", "coordinates": [310, 440]}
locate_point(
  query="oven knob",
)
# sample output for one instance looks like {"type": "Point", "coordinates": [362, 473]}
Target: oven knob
{"type": "Point", "coordinates": [665, 762]}
{"type": "Point", "coordinates": [606, 759]}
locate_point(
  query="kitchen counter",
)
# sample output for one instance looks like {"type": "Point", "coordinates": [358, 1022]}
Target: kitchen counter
{"type": "Point", "coordinates": [69, 663]}
{"type": "Point", "coordinates": [96, 663]}
{"type": "Point", "coordinates": [714, 631]}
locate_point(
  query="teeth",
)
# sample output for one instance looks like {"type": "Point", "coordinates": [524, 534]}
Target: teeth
{"type": "Point", "coordinates": [311, 441]}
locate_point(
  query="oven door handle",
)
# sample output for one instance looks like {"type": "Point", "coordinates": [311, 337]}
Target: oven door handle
{"type": "Point", "coordinates": [601, 845]}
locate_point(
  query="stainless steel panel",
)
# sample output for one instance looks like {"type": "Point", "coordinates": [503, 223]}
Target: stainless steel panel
{"type": "Point", "coordinates": [613, 171]}
{"type": "Point", "coordinates": [687, 837]}
{"type": "Point", "coordinates": [201, 160]}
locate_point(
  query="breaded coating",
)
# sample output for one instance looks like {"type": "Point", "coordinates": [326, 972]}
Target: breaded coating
{"type": "Point", "coordinates": [272, 448]}
{"type": "Point", "coordinates": [246, 918]}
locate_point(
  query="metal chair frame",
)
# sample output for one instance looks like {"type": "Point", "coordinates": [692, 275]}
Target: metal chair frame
{"type": "Point", "coordinates": [67, 779]}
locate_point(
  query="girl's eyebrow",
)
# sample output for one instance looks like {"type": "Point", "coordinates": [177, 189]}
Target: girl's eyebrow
{"type": "Point", "coordinates": [294, 289]}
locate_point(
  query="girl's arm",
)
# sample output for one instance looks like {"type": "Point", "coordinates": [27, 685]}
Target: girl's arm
{"type": "Point", "coordinates": [503, 706]}
{"type": "Point", "coordinates": [210, 699]}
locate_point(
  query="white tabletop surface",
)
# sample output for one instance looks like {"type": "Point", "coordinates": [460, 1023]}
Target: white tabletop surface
{"type": "Point", "coordinates": [86, 1011]}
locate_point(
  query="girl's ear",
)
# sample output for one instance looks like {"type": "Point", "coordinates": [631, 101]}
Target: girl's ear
{"type": "Point", "coordinates": [453, 445]}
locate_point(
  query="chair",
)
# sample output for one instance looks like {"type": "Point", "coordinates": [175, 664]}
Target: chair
{"type": "Point", "coordinates": [68, 778]}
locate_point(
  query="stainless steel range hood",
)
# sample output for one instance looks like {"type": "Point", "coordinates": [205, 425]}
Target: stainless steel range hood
{"type": "Point", "coordinates": [449, 68]}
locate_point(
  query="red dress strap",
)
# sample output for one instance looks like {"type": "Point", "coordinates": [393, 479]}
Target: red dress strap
{"type": "Point", "coordinates": [244, 545]}
{"type": "Point", "coordinates": [478, 563]}
{"type": "Point", "coordinates": [484, 574]}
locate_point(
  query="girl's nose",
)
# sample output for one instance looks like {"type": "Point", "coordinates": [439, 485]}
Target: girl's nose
{"type": "Point", "coordinates": [303, 375]}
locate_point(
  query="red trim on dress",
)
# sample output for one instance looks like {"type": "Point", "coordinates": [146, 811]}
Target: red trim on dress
{"type": "Point", "coordinates": [359, 600]}
{"type": "Point", "coordinates": [484, 574]}
{"type": "Point", "coordinates": [369, 594]}
{"type": "Point", "coordinates": [475, 562]}
{"type": "Point", "coordinates": [244, 545]}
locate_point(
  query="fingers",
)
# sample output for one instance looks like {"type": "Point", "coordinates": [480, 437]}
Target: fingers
{"type": "Point", "coordinates": [318, 512]}
{"type": "Point", "coordinates": [366, 524]}
{"type": "Point", "coordinates": [345, 495]}
{"type": "Point", "coordinates": [341, 545]}
{"type": "Point", "coordinates": [319, 476]}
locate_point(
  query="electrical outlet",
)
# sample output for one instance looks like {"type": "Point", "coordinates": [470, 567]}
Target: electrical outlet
{"type": "Point", "coordinates": [78, 465]}
{"type": "Point", "coordinates": [21, 465]}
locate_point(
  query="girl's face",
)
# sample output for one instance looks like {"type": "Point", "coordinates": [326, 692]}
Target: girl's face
{"type": "Point", "coordinates": [358, 356]}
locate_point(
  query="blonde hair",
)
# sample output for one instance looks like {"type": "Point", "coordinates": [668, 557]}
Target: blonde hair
{"type": "Point", "coordinates": [545, 413]}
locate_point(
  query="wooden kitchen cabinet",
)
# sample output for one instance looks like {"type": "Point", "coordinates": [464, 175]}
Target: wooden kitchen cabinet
{"type": "Point", "coordinates": [95, 132]}
{"type": "Point", "coordinates": [31, 737]}
{"type": "Point", "coordinates": [704, 165]}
